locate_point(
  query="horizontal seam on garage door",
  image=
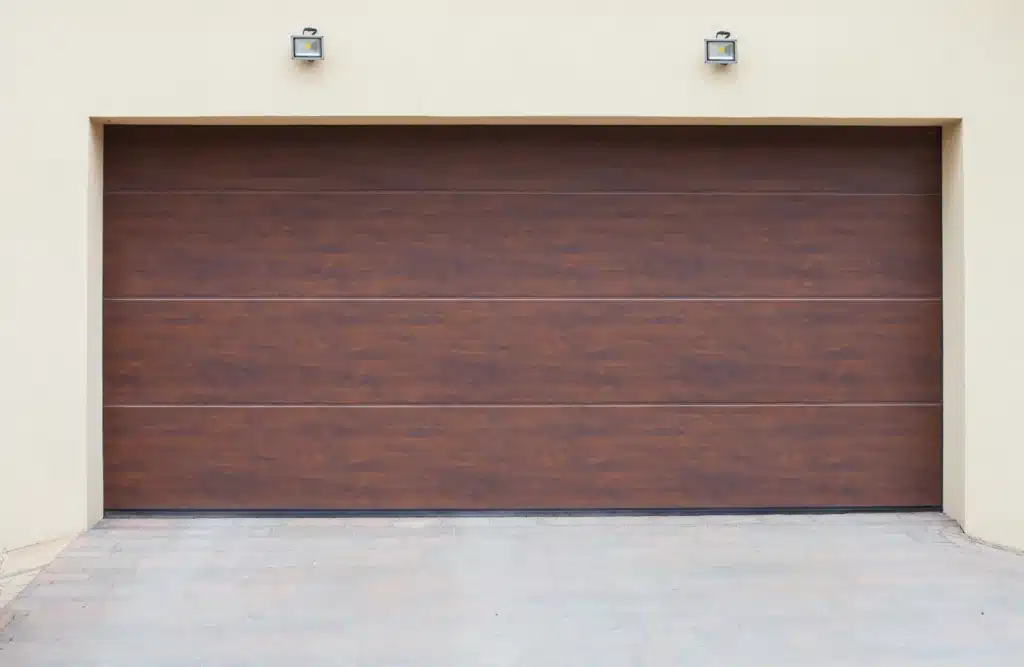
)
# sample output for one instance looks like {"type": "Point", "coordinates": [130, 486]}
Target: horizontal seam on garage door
{"type": "Point", "coordinates": [219, 299]}
{"type": "Point", "coordinates": [482, 406]}
{"type": "Point", "coordinates": [575, 193]}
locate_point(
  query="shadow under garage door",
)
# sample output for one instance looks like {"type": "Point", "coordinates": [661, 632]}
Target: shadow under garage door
{"type": "Point", "coordinates": [511, 318]}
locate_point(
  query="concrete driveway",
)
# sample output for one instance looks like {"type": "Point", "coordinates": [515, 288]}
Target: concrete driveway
{"type": "Point", "coordinates": [900, 590]}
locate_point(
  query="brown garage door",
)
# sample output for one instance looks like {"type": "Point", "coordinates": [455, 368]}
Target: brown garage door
{"type": "Point", "coordinates": [522, 317]}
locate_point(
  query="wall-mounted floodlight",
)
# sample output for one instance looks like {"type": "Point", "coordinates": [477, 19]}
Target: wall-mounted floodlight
{"type": "Point", "coordinates": [308, 45]}
{"type": "Point", "coordinates": [721, 50]}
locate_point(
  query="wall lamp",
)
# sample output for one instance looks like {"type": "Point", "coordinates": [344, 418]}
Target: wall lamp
{"type": "Point", "coordinates": [721, 50]}
{"type": "Point", "coordinates": [308, 45]}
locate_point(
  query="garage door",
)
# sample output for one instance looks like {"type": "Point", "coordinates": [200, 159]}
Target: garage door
{"type": "Point", "coordinates": [393, 318]}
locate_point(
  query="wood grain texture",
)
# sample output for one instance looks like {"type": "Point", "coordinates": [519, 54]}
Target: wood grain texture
{"type": "Point", "coordinates": [482, 352]}
{"type": "Point", "coordinates": [536, 158]}
{"type": "Point", "coordinates": [522, 458]}
{"type": "Point", "coordinates": [514, 245]}
{"type": "Point", "coordinates": [668, 225]}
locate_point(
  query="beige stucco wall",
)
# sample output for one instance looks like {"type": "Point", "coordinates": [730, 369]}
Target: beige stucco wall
{"type": "Point", "coordinates": [63, 63]}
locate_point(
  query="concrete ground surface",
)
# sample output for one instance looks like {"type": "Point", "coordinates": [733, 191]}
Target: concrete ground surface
{"type": "Point", "coordinates": [19, 567]}
{"type": "Point", "coordinates": [873, 589]}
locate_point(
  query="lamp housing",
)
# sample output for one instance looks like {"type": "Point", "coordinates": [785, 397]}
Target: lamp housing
{"type": "Point", "coordinates": [721, 50]}
{"type": "Point", "coordinates": [308, 46]}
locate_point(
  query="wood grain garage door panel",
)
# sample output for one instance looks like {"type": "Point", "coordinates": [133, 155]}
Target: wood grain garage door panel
{"type": "Point", "coordinates": [593, 159]}
{"type": "Point", "coordinates": [522, 352]}
{"type": "Point", "coordinates": [516, 458]}
{"type": "Point", "coordinates": [522, 317]}
{"type": "Point", "coordinates": [510, 245]}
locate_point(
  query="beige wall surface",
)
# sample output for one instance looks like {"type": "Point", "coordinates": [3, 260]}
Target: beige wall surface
{"type": "Point", "coordinates": [65, 64]}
